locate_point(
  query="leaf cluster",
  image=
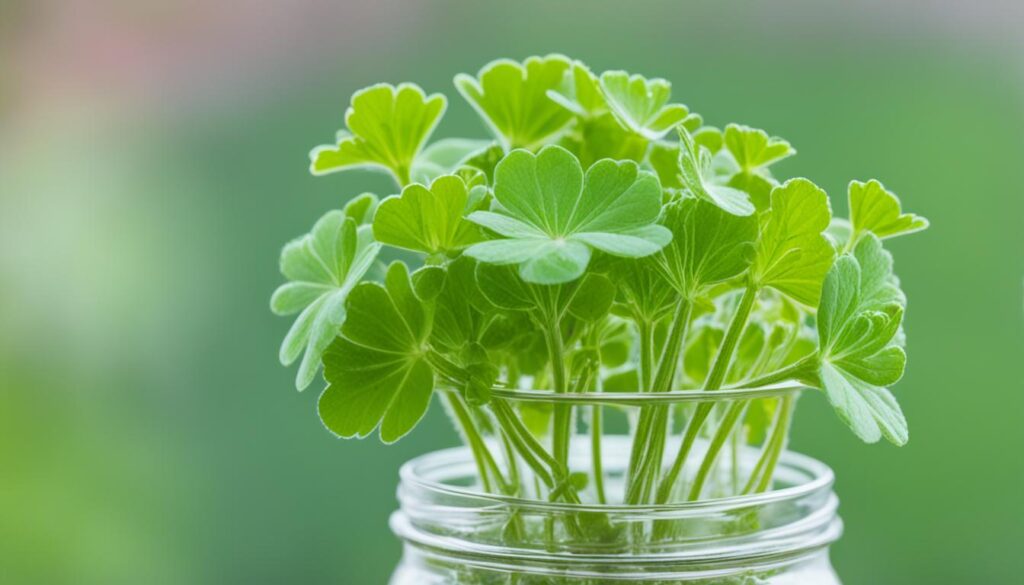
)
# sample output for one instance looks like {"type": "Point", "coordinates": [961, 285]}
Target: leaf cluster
{"type": "Point", "coordinates": [601, 236]}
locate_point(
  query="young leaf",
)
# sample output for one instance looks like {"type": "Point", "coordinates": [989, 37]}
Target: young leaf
{"type": "Point", "coordinates": [323, 267]}
{"type": "Point", "coordinates": [551, 216]}
{"type": "Point", "coordinates": [696, 175]}
{"type": "Point", "coordinates": [377, 370]}
{"type": "Point", "coordinates": [444, 157]}
{"type": "Point", "coordinates": [753, 150]}
{"type": "Point", "coordinates": [791, 254]}
{"type": "Point", "coordinates": [709, 245]}
{"type": "Point", "coordinates": [858, 318]}
{"type": "Point", "coordinates": [580, 92]}
{"type": "Point", "coordinates": [876, 210]}
{"type": "Point", "coordinates": [512, 98]}
{"type": "Point", "coordinates": [640, 104]}
{"type": "Point", "coordinates": [361, 208]}
{"type": "Point", "coordinates": [461, 314]}
{"type": "Point", "coordinates": [387, 127]}
{"type": "Point", "coordinates": [427, 220]}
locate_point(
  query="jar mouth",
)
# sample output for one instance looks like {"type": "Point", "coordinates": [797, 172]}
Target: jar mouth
{"type": "Point", "coordinates": [710, 537]}
{"type": "Point", "coordinates": [638, 399]}
{"type": "Point", "coordinates": [801, 475]}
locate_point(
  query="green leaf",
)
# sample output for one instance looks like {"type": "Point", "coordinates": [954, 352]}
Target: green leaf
{"type": "Point", "coordinates": [512, 98]}
{"type": "Point", "coordinates": [377, 371]}
{"type": "Point", "coordinates": [876, 210]}
{"type": "Point", "coordinates": [597, 300]}
{"type": "Point", "coordinates": [551, 216]}
{"type": "Point", "coordinates": [858, 318]}
{"type": "Point", "coordinates": [663, 157]}
{"type": "Point", "coordinates": [427, 220]}
{"type": "Point", "coordinates": [709, 245]}
{"type": "Point", "coordinates": [361, 208]}
{"type": "Point", "coordinates": [792, 255]}
{"type": "Point", "coordinates": [322, 267]}
{"type": "Point", "coordinates": [603, 137]}
{"type": "Point", "coordinates": [386, 128]}
{"type": "Point", "coordinates": [461, 314]}
{"type": "Point", "coordinates": [587, 297]}
{"type": "Point", "coordinates": [642, 293]}
{"type": "Point", "coordinates": [444, 157]}
{"type": "Point", "coordinates": [580, 92]}
{"type": "Point", "coordinates": [485, 161]}
{"type": "Point", "coordinates": [753, 150]}
{"type": "Point", "coordinates": [696, 175]}
{"type": "Point", "coordinates": [640, 104]}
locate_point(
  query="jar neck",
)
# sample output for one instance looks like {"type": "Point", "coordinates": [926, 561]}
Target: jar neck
{"type": "Point", "coordinates": [444, 521]}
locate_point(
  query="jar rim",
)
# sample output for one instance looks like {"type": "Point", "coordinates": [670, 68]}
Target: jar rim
{"type": "Point", "coordinates": [645, 398]}
{"type": "Point", "coordinates": [821, 478]}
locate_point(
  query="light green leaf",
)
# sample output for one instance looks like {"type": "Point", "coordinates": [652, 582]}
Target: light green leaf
{"type": "Point", "coordinates": [603, 137]}
{"type": "Point", "coordinates": [640, 104]}
{"type": "Point", "coordinates": [642, 294]}
{"type": "Point", "coordinates": [444, 157]}
{"type": "Point", "coordinates": [709, 245]}
{"type": "Point", "coordinates": [876, 210]}
{"type": "Point", "coordinates": [361, 208]}
{"type": "Point", "coordinates": [427, 220]}
{"type": "Point", "coordinates": [512, 98]}
{"type": "Point", "coordinates": [697, 176]}
{"type": "Point", "coordinates": [753, 150]}
{"type": "Point", "coordinates": [870, 411]}
{"type": "Point", "coordinates": [663, 157]}
{"type": "Point", "coordinates": [503, 287]}
{"type": "Point", "coordinates": [791, 254]}
{"type": "Point", "coordinates": [387, 127]}
{"type": "Point", "coordinates": [580, 92]}
{"type": "Point", "coordinates": [377, 371]}
{"type": "Point", "coordinates": [858, 318]}
{"type": "Point", "coordinates": [550, 215]}
{"type": "Point", "coordinates": [461, 314]}
{"type": "Point", "coordinates": [323, 267]}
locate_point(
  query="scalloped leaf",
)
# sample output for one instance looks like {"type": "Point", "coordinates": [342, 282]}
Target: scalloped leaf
{"type": "Point", "coordinates": [387, 127]}
{"type": "Point", "coordinates": [377, 370]}
{"type": "Point", "coordinates": [641, 104]}
{"type": "Point", "coordinates": [792, 255]}
{"type": "Point", "coordinates": [427, 220]}
{"type": "Point", "coordinates": [323, 267]}
{"type": "Point", "coordinates": [551, 216]}
{"type": "Point", "coordinates": [858, 320]}
{"type": "Point", "coordinates": [877, 210]}
{"type": "Point", "coordinates": [512, 98]}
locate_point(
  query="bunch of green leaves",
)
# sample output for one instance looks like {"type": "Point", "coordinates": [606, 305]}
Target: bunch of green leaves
{"type": "Point", "coordinates": [602, 239]}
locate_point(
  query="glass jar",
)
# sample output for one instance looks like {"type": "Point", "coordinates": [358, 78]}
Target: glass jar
{"type": "Point", "coordinates": [454, 533]}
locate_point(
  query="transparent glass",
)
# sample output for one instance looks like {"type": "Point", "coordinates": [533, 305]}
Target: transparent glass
{"type": "Point", "coordinates": [455, 533]}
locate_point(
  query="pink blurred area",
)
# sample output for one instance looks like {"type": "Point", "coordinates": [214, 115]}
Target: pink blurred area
{"type": "Point", "coordinates": [113, 54]}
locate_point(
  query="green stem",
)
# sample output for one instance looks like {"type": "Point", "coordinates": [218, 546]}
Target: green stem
{"type": "Point", "coordinates": [645, 330]}
{"type": "Point", "coordinates": [649, 444]}
{"type": "Point", "coordinates": [717, 442]}
{"type": "Point", "coordinates": [716, 376]}
{"type": "Point", "coordinates": [561, 428]}
{"type": "Point", "coordinates": [543, 465]}
{"type": "Point", "coordinates": [766, 448]}
{"type": "Point", "coordinates": [779, 438]}
{"type": "Point", "coordinates": [595, 452]}
{"type": "Point", "coordinates": [723, 359]}
{"type": "Point", "coordinates": [485, 462]}
{"type": "Point", "coordinates": [795, 371]}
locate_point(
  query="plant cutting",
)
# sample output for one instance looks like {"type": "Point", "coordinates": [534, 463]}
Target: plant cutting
{"type": "Point", "coordinates": [617, 304]}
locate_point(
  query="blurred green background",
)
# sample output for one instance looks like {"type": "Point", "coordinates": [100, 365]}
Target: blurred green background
{"type": "Point", "coordinates": [153, 161]}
